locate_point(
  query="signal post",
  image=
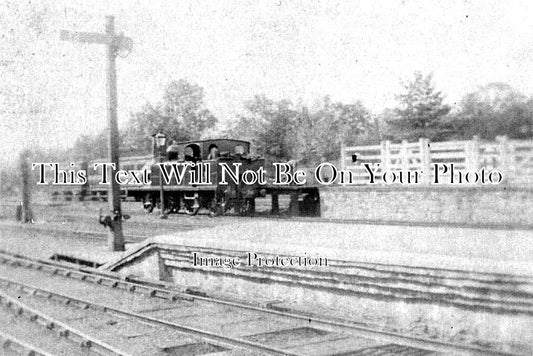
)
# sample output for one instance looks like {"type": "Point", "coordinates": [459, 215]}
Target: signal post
{"type": "Point", "coordinates": [114, 43]}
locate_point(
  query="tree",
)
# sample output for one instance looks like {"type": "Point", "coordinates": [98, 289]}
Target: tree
{"type": "Point", "coordinates": [182, 116]}
{"type": "Point", "coordinates": [137, 136]}
{"type": "Point", "coordinates": [333, 124]}
{"type": "Point", "coordinates": [269, 125]}
{"type": "Point", "coordinates": [185, 108]}
{"type": "Point", "coordinates": [492, 110]}
{"type": "Point", "coordinates": [420, 112]}
{"type": "Point", "coordinates": [282, 131]}
{"type": "Point", "coordinates": [90, 147]}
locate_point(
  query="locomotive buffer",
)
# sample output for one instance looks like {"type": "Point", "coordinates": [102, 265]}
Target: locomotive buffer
{"type": "Point", "coordinates": [114, 43]}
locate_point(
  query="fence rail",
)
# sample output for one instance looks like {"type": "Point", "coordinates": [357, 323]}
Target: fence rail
{"type": "Point", "coordinates": [513, 158]}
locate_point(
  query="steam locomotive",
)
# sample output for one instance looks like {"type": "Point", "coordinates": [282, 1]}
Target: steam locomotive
{"type": "Point", "coordinates": [211, 175]}
{"type": "Point", "coordinates": [206, 170]}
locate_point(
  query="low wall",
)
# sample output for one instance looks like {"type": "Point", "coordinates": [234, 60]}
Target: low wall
{"type": "Point", "coordinates": [470, 206]}
{"type": "Point", "coordinates": [451, 306]}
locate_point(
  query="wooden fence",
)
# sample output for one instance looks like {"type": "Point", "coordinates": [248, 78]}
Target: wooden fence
{"type": "Point", "coordinates": [513, 158]}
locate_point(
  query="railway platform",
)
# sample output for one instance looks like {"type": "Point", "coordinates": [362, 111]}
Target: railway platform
{"type": "Point", "coordinates": [98, 312]}
{"type": "Point", "coordinates": [467, 249]}
{"type": "Point", "coordinates": [453, 284]}
{"type": "Point", "coordinates": [43, 241]}
{"type": "Point", "coordinates": [459, 283]}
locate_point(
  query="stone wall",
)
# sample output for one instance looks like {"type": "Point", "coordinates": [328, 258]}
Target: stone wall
{"type": "Point", "coordinates": [470, 206]}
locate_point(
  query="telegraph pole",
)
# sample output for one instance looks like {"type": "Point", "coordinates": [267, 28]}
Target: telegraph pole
{"type": "Point", "coordinates": [115, 240]}
{"type": "Point", "coordinates": [26, 215]}
{"type": "Point", "coordinates": [114, 44]}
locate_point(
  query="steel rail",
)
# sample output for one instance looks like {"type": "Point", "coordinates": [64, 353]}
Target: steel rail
{"type": "Point", "coordinates": [331, 325]}
{"type": "Point", "coordinates": [112, 280]}
{"type": "Point", "coordinates": [9, 340]}
{"type": "Point", "coordinates": [470, 302]}
{"type": "Point", "coordinates": [206, 335]}
{"type": "Point", "coordinates": [108, 279]}
{"type": "Point", "coordinates": [64, 330]}
{"type": "Point", "coordinates": [286, 217]}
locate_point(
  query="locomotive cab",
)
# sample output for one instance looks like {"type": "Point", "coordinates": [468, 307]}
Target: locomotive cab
{"type": "Point", "coordinates": [192, 153]}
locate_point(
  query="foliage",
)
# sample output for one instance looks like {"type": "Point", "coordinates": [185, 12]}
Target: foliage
{"type": "Point", "coordinates": [331, 125]}
{"type": "Point", "coordinates": [492, 110]}
{"type": "Point", "coordinates": [90, 147]}
{"type": "Point", "coordinates": [137, 137]}
{"type": "Point", "coordinates": [181, 116]}
{"type": "Point", "coordinates": [420, 112]}
{"type": "Point", "coordinates": [281, 131]}
{"type": "Point", "coordinates": [269, 125]}
{"type": "Point", "coordinates": [184, 108]}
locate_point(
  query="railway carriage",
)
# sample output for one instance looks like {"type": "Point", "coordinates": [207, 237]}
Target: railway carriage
{"type": "Point", "coordinates": [58, 186]}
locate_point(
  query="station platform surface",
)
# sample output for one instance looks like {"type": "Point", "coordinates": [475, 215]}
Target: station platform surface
{"type": "Point", "coordinates": [30, 240]}
{"type": "Point", "coordinates": [466, 249]}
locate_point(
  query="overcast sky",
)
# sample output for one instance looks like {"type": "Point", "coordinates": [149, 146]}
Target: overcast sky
{"type": "Point", "coordinates": [350, 50]}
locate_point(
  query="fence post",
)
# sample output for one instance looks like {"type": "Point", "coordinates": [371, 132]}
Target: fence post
{"type": "Point", "coordinates": [343, 155]}
{"type": "Point", "coordinates": [506, 162]}
{"type": "Point", "coordinates": [472, 154]}
{"type": "Point", "coordinates": [404, 156]}
{"type": "Point", "coordinates": [274, 209]}
{"type": "Point", "coordinates": [84, 191]}
{"type": "Point", "coordinates": [425, 160]}
{"type": "Point", "coordinates": [385, 154]}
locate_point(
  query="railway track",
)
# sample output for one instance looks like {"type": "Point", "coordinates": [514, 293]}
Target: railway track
{"type": "Point", "coordinates": [67, 296]}
{"type": "Point", "coordinates": [263, 212]}
{"type": "Point", "coordinates": [495, 292]}
{"type": "Point", "coordinates": [70, 339]}
{"type": "Point", "coordinates": [12, 345]}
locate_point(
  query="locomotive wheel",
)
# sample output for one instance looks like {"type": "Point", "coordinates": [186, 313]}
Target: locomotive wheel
{"type": "Point", "coordinates": [214, 211]}
{"type": "Point", "coordinates": [219, 207]}
{"type": "Point", "coordinates": [148, 208]}
{"type": "Point", "coordinates": [192, 210]}
{"type": "Point", "coordinates": [191, 206]}
{"type": "Point", "coordinates": [247, 207]}
{"type": "Point", "coordinates": [218, 210]}
{"type": "Point", "coordinates": [148, 204]}
{"type": "Point", "coordinates": [172, 205]}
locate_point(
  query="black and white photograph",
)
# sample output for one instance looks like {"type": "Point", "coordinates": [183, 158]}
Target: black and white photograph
{"type": "Point", "coordinates": [274, 177]}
